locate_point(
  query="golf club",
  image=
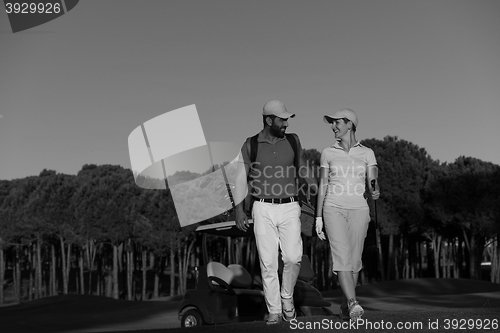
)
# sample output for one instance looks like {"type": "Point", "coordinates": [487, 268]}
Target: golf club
{"type": "Point", "coordinates": [373, 183]}
{"type": "Point", "coordinates": [377, 235]}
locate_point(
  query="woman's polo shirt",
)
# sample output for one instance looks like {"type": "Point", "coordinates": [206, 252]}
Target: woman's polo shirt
{"type": "Point", "coordinates": [346, 175]}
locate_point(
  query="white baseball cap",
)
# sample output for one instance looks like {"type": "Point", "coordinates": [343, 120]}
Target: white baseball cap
{"type": "Point", "coordinates": [344, 113]}
{"type": "Point", "coordinates": [278, 109]}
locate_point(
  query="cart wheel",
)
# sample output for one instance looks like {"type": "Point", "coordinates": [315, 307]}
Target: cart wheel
{"type": "Point", "coordinates": [191, 318]}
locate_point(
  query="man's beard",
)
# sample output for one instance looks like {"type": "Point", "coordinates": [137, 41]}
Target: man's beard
{"type": "Point", "coordinates": [276, 131]}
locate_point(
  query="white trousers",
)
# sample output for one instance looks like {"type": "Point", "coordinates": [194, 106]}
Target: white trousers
{"type": "Point", "coordinates": [278, 225]}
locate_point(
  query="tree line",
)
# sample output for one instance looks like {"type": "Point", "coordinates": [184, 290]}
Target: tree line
{"type": "Point", "coordinates": [99, 233]}
{"type": "Point", "coordinates": [445, 215]}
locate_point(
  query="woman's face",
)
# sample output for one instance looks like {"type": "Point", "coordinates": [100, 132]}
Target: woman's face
{"type": "Point", "coordinates": [340, 128]}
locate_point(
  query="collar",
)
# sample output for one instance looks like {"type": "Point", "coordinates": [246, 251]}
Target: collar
{"type": "Point", "coordinates": [262, 138]}
{"type": "Point", "coordinates": [337, 146]}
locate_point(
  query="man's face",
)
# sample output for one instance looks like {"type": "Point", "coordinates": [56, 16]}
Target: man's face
{"type": "Point", "coordinates": [278, 127]}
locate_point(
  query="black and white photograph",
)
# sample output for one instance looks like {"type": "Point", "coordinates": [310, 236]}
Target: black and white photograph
{"type": "Point", "coordinates": [242, 166]}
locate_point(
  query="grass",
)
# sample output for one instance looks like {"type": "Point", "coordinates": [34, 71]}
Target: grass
{"type": "Point", "coordinates": [463, 305]}
{"type": "Point", "coordinates": [445, 320]}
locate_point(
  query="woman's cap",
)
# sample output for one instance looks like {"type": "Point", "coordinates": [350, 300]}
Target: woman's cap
{"type": "Point", "coordinates": [344, 113]}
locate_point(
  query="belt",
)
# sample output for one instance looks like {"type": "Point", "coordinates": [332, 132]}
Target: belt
{"type": "Point", "coordinates": [279, 201]}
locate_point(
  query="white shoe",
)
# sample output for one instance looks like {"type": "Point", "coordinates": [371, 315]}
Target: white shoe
{"type": "Point", "coordinates": [355, 310]}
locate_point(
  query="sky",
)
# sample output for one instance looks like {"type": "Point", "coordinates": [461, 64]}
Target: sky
{"type": "Point", "coordinates": [73, 89]}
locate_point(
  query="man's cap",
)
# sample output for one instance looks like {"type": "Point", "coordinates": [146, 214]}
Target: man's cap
{"type": "Point", "coordinates": [344, 113]}
{"type": "Point", "coordinates": [278, 109]}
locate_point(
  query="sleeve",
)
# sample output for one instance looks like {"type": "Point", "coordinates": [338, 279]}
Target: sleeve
{"type": "Point", "coordinates": [300, 150]}
{"type": "Point", "coordinates": [244, 153]}
{"type": "Point", "coordinates": [370, 158]}
{"type": "Point", "coordinates": [323, 161]}
{"type": "Point", "coordinates": [299, 146]}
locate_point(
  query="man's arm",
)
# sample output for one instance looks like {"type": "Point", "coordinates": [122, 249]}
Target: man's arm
{"type": "Point", "coordinates": [304, 171]}
{"type": "Point", "coordinates": [240, 193]}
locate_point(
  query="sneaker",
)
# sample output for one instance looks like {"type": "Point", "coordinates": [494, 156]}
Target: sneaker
{"type": "Point", "coordinates": [288, 309]}
{"type": "Point", "coordinates": [289, 314]}
{"type": "Point", "coordinates": [273, 318]}
{"type": "Point", "coordinates": [344, 313]}
{"type": "Point", "coordinates": [355, 310]}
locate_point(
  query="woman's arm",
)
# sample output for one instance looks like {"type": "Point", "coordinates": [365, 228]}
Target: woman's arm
{"type": "Point", "coordinates": [322, 188]}
{"type": "Point", "coordinates": [372, 175]}
{"type": "Point", "coordinates": [323, 184]}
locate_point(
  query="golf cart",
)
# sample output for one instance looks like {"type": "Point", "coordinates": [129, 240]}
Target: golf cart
{"type": "Point", "coordinates": [227, 294]}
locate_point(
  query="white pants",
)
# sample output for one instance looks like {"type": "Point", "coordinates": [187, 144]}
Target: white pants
{"type": "Point", "coordinates": [278, 225]}
{"type": "Point", "coordinates": [346, 230]}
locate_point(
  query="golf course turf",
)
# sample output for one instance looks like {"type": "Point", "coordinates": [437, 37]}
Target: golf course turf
{"type": "Point", "coordinates": [451, 304]}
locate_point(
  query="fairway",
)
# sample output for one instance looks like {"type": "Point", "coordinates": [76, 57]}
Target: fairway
{"type": "Point", "coordinates": [415, 305]}
{"type": "Point", "coordinates": [445, 320]}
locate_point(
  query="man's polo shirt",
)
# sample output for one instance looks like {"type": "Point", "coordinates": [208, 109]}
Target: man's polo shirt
{"type": "Point", "coordinates": [346, 175]}
{"type": "Point", "coordinates": [273, 172]}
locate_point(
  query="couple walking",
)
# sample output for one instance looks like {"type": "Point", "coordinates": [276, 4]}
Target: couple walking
{"type": "Point", "coordinates": [273, 160]}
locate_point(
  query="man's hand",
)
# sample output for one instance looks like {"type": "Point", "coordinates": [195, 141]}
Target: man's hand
{"type": "Point", "coordinates": [241, 219]}
{"type": "Point", "coordinates": [319, 228]}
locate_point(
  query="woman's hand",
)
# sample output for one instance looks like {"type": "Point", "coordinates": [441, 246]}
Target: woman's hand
{"type": "Point", "coordinates": [319, 228]}
{"type": "Point", "coordinates": [374, 189]}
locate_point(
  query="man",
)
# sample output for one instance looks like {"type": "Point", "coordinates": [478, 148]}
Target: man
{"type": "Point", "coordinates": [276, 209]}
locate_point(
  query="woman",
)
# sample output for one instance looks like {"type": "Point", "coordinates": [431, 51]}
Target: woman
{"type": "Point", "coordinates": [344, 168]}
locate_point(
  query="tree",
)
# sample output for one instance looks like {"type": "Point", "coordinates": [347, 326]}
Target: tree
{"type": "Point", "coordinates": [403, 172]}
{"type": "Point", "coordinates": [25, 232]}
{"type": "Point", "coordinates": [4, 192]}
{"type": "Point", "coordinates": [126, 195]}
{"type": "Point", "coordinates": [465, 197]}
{"type": "Point", "coordinates": [98, 209]}
{"type": "Point", "coordinates": [157, 214]}
{"type": "Point", "coordinates": [50, 204]}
